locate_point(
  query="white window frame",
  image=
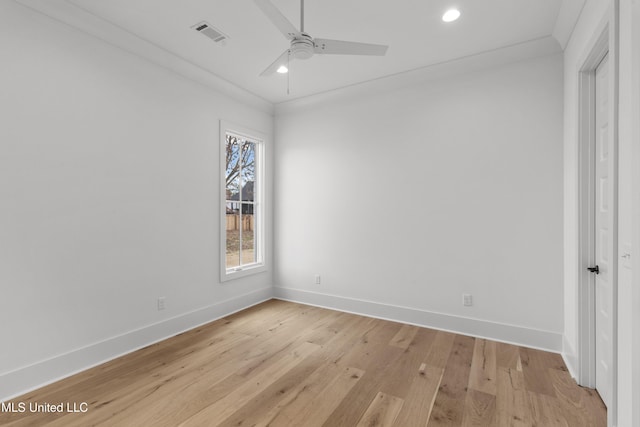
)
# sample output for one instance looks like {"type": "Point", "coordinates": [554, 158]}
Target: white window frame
{"type": "Point", "coordinates": [260, 265]}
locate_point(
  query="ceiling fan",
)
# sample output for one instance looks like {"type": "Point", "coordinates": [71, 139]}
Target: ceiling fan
{"type": "Point", "coordinates": [303, 46]}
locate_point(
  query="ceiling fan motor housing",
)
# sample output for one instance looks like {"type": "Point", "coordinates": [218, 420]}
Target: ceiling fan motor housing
{"type": "Point", "coordinates": [302, 46]}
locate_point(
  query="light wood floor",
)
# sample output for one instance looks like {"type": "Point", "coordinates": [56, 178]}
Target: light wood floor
{"type": "Point", "coordinates": [281, 363]}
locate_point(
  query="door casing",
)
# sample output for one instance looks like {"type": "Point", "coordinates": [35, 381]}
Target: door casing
{"type": "Point", "coordinates": [604, 42]}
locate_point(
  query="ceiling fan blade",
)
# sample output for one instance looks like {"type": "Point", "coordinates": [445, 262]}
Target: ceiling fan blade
{"type": "Point", "coordinates": [277, 18]}
{"type": "Point", "coordinates": [341, 47]}
{"type": "Point", "coordinates": [282, 60]}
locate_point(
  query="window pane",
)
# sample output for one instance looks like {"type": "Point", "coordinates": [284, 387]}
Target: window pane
{"type": "Point", "coordinates": [233, 170]}
{"type": "Point", "coordinates": [248, 175]}
{"type": "Point", "coordinates": [248, 234]}
{"type": "Point", "coordinates": [233, 236]}
{"type": "Point", "coordinates": [243, 239]}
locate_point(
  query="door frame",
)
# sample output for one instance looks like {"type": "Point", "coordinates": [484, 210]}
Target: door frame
{"type": "Point", "coordinates": [635, 247]}
{"type": "Point", "coordinates": [603, 42]}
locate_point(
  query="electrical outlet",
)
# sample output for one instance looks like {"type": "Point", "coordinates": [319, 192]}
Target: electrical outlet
{"type": "Point", "coordinates": [161, 303]}
{"type": "Point", "coordinates": [317, 279]}
{"type": "Point", "coordinates": [467, 300]}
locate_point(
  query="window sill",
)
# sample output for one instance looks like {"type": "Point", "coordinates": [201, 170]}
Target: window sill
{"type": "Point", "coordinates": [244, 271]}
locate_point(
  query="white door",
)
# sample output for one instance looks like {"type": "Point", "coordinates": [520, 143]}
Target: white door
{"type": "Point", "coordinates": [603, 237]}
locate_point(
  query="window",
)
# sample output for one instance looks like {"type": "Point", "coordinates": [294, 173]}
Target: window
{"type": "Point", "coordinates": [242, 227]}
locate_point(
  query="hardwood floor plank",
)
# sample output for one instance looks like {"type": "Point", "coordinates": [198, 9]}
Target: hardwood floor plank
{"type": "Point", "coordinates": [283, 387]}
{"type": "Point", "coordinates": [448, 408]}
{"type": "Point", "coordinates": [545, 412]}
{"type": "Point", "coordinates": [538, 381]}
{"type": "Point", "coordinates": [296, 386]}
{"type": "Point", "coordinates": [381, 333]}
{"type": "Point", "coordinates": [399, 377]}
{"type": "Point", "coordinates": [512, 407]}
{"type": "Point", "coordinates": [538, 359]}
{"type": "Point", "coordinates": [223, 408]}
{"type": "Point", "coordinates": [379, 359]}
{"type": "Point", "coordinates": [404, 336]}
{"type": "Point", "coordinates": [420, 398]}
{"type": "Point", "coordinates": [334, 325]}
{"type": "Point", "coordinates": [371, 353]}
{"type": "Point", "coordinates": [286, 364]}
{"type": "Point", "coordinates": [483, 367]}
{"type": "Point", "coordinates": [316, 412]}
{"type": "Point", "coordinates": [297, 401]}
{"type": "Point", "coordinates": [479, 409]}
{"type": "Point", "coordinates": [535, 366]}
{"type": "Point", "coordinates": [439, 353]}
{"type": "Point", "coordinates": [382, 412]}
{"type": "Point", "coordinates": [507, 356]}
{"type": "Point", "coordinates": [369, 343]}
{"type": "Point", "coordinates": [584, 405]}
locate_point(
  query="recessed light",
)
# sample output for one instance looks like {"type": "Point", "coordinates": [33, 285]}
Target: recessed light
{"type": "Point", "coordinates": [451, 15]}
{"type": "Point", "coordinates": [282, 69]}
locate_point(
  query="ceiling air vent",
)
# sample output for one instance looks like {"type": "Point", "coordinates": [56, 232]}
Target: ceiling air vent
{"type": "Point", "coordinates": [206, 29]}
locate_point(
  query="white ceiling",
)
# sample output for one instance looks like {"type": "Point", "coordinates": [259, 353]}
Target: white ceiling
{"type": "Point", "coordinates": [413, 29]}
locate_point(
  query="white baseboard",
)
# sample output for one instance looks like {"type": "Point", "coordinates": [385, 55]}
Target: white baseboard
{"type": "Point", "coordinates": [570, 358]}
{"type": "Point", "coordinates": [518, 335]}
{"type": "Point", "coordinates": [28, 378]}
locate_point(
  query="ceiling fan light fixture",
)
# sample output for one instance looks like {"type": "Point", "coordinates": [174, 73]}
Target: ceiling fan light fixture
{"type": "Point", "coordinates": [451, 15]}
{"type": "Point", "coordinates": [302, 47]}
{"type": "Point", "coordinates": [282, 69]}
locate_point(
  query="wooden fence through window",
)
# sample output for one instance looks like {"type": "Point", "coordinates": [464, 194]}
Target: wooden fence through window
{"type": "Point", "coordinates": [233, 222]}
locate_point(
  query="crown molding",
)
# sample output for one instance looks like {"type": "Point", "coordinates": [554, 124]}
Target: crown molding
{"type": "Point", "coordinates": [541, 47]}
{"type": "Point", "coordinates": [566, 21]}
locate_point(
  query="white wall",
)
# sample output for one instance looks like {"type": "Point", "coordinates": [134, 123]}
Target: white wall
{"type": "Point", "coordinates": [629, 224]}
{"type": "Point", "coordinates": [109, 199]}
{"type": "Point", "coordinates": [634, 304]}
{"type": "Point", "coordinates": [406, 199]}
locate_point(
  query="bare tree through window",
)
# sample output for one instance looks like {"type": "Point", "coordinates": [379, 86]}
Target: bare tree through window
{"type": "Point", "coordinates": [240, 188]}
